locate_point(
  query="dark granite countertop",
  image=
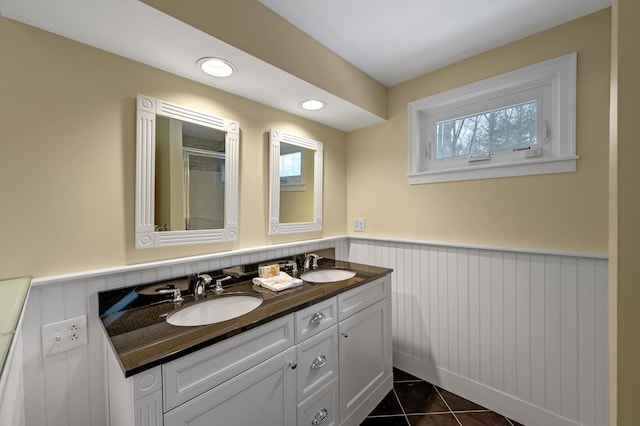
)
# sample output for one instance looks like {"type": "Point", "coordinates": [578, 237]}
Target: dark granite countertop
{"type": "Point", "coordinates": [141, 338]}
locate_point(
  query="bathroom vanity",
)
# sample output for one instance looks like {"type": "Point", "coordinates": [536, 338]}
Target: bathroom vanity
{"type": "Point", "coordinates": [316, 354]}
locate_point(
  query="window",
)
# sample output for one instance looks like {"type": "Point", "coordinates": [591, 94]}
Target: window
{"type": "Point", "coordinates": [291, 173]}
{"type": "Point", "coordinates": [290, 165]}
{"type": "Point", "coordinates": [511, 127]}
{"type": "Point", "coordinates": [515, 124]}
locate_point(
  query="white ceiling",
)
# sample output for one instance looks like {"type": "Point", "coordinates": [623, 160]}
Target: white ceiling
{"type": "Point", "coordinates": [395, 41]}
{"type": "Point", "coordinates": [391, 41]}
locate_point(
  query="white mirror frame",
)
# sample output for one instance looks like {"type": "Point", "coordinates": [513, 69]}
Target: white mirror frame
{"type": "Point", "coordinates": [275, 227]}
{"type": "Point", "coordinates": [146, 236]}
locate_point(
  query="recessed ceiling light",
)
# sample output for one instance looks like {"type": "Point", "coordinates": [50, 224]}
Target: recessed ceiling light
{"type": "Point", "coordinates": [312, 105]}
{"type": "Point", "coordinates": [216, 67]}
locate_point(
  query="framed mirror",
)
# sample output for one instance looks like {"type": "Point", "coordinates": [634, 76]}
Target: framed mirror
{"type": "Point", "coordinates": [186, 175]}
{"type": "Point", "coordinates": [295, 183]}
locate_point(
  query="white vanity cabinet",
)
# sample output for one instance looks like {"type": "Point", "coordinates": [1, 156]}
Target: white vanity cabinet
{"type": "Point", "coordinates": [245, 377]}
{"type": "Point", "coordinates": [327, 364]}
{"type": "Point", "coordinates": [365, 353]}
{"type": "Point", "coordinates": [263, 395]}
{"type": "Point", "coordinates": [244, 380]}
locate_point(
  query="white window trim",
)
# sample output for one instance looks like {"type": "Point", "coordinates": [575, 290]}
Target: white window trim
{"type": "Point", "coordinates": [292, 187]}
{"type": "Point", "coordinates": [559, 153]}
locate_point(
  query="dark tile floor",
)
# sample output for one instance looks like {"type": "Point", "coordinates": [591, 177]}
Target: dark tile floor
{"type": "Point", "coordinates": [414, 402]}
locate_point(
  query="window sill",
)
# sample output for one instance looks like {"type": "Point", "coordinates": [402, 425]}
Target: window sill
{"type": "Point", "coordinates": [293, 187]}
{"type": "Point", "coordinates": [537, 166]}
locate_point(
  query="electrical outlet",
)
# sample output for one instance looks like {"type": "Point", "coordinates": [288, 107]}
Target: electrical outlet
{"type": "Point", "coordinates": [64, 335]}
{"type": "Point", "coordinates": [358, 224]}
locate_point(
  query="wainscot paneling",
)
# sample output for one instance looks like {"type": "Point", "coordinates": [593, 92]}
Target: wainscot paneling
{"type": "Point", "coordinates": [69, 388]}
{"type": "Point", "coordinates": [521, 332]}
{"type": "Point", "coordinates": [11, 386]}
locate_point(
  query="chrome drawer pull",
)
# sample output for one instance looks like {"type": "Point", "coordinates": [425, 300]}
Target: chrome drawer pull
{"type": "Point", "coordinates": [316, 318]}
{"type": "Point", "coordinates": [319, 362]}
{"type": "Point", "coordinates": [320, 417]}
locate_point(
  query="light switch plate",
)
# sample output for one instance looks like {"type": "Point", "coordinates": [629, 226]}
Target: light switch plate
{"type": "Point", "coordinates": [64, 335]}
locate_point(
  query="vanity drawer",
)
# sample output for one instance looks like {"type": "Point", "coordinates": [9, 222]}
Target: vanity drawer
{"type": "Point", "coordinates": [317, 362]}
{"type": "Point", "coordinates": [321, 408]}
{"type": "Point", "coordinates": [316, 318]}
{"type": "Point", "coordinates": [193, 374]}
{"type": "Point", "coordinates": [357, 299]}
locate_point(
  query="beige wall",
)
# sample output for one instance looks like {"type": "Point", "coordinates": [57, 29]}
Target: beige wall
{"type": "Point", "coordinates": [67, 162]}
{"type": "Point", "coordinates": [624, 227]}
{"type": "Point", "coordinates": [561, 211]}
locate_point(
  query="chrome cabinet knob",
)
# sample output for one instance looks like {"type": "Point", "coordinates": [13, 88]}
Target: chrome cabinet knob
{"type": "Point", "coordinates": [319, 362]}
{"type": "Point", "coordinates": [317, 318]}
{"type": "Point", "coordinates": [320, 417]}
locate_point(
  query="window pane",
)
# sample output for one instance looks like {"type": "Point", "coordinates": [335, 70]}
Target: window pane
{"type": "Point", "coordinates": [291, 164]}
{"type": "Point", "coordinates": [505, 128]}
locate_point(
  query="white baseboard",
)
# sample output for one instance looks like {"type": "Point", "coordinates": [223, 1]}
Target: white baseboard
{"type": "Point", "coordinates": [507, 405]}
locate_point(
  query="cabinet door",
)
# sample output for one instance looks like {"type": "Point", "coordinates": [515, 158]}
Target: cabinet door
{"type": "Point", "coordinates": [264, 395]}
{"type": "Point", "coordinates": [364, 359]}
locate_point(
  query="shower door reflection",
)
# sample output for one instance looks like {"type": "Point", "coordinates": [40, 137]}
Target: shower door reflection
{"type": "Point", "coordinates": [190, 176]}
{"type": "Point", "coordinates": [204, 189]}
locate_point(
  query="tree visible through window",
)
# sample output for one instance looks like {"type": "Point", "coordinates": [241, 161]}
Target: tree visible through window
{"type": "Point", "coordinates": [506, 128]}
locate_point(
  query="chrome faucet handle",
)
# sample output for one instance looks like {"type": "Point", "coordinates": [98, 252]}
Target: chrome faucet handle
{"type": "Point", "coordinates": [177, 296]}
{"type": "Point", "coordinates": [219, 288]}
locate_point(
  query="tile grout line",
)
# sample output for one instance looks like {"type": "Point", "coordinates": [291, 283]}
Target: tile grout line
{"type": "Point", "coordinates": [451, 411]}
{"type": "Point", "coordinates": [447, 404]}
{"type": "Point", "coordinates": [384, 416]}
{"type": "Point", "coordinates": [421, 413]}
{"type": "Point", "coordinates": [416, 380]}
{"type": "Point", "coordinates": [404, 413]}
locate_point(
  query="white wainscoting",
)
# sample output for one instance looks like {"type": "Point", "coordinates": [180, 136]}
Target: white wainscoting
{"type": "Point", "coordinates": [69, 389]}
{"type": "Point", "coordinates": [12, 386]}
{"type": "Point", "coordinates": [521, 332]}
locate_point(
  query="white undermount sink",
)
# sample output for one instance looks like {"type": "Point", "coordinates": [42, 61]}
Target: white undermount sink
{"type": "Point", "coordinates": [215, 310]}
{"type": "Point", "coordinates": [327, 275]}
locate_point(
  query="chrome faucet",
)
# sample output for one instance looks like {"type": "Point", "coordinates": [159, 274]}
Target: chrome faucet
{"type": "Point", "coordinates": [219, 288]}
{"type": "Point", "coordinates": [200, 286]}
{"type": "Point", "coordinates": [310, 261]}
{"type": "Point", "coordinates": [177, 297]}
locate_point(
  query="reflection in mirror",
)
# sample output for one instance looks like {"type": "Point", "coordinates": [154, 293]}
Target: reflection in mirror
{"type": "Point", "coordinates": [189, 176]}
{"type": "Point", "coordinates": [295, 177]}
{"type": "Point", "coordinates": [296, 183]}
{"type": "Point", "coordinates": [186, 176]}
